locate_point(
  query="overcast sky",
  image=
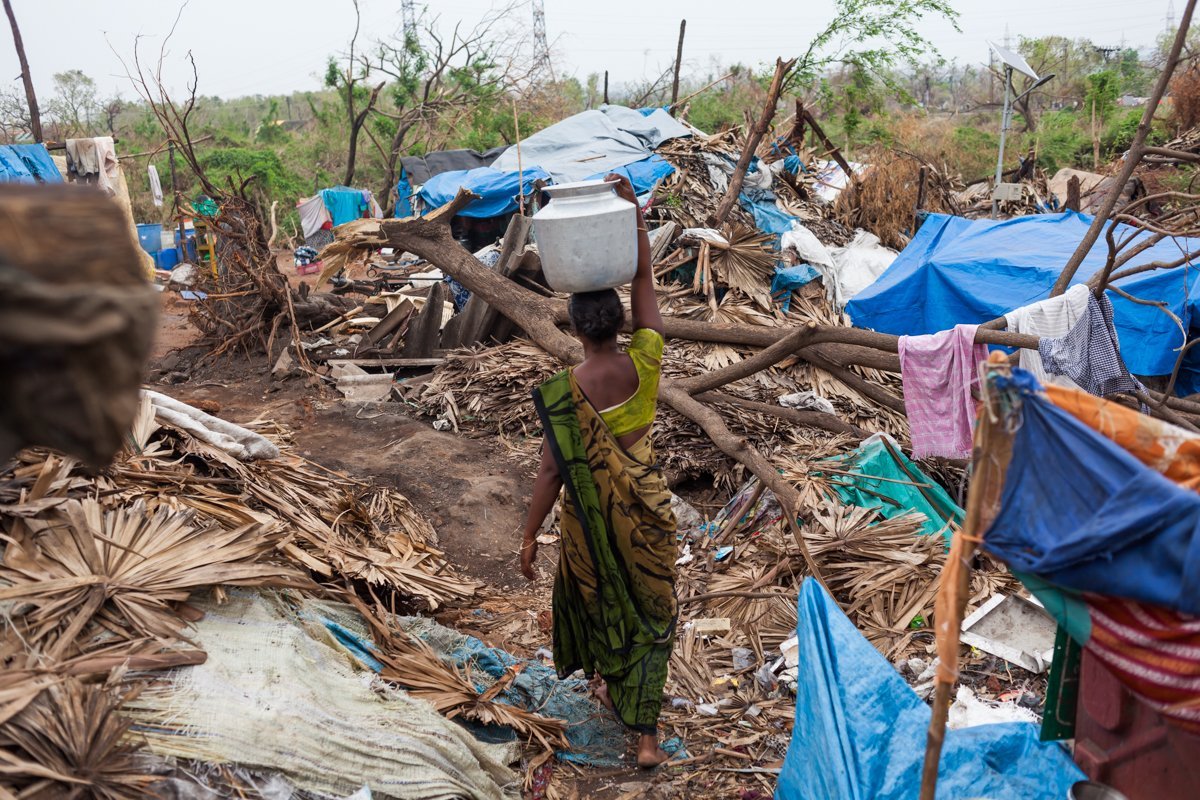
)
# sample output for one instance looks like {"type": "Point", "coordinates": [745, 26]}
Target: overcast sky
{"type": "Point", "coordinates": [264, 47]}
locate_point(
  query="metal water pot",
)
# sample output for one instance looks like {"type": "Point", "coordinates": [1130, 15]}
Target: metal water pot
{"type": "Point", "coordinates": [586, 237]}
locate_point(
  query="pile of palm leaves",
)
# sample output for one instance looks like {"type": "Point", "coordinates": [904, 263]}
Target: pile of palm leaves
{"type": "Point", "coordinates": [70, 742]}
{"type": "Point", "coordinates": [413, 665]}
{"type": "Point", "coordinates": [124, 570]}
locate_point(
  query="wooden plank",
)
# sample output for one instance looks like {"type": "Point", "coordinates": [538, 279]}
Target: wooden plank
{"type": "Point", "coordinates": [396, 363]}
{"type": "Point", "coordinates": [391, 321]}
{"type": "Point", "coordinates": [426, 328]}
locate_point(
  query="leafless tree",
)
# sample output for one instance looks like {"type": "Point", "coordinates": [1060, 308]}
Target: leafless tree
{"type": "Point", "coordinates": [349, 78]}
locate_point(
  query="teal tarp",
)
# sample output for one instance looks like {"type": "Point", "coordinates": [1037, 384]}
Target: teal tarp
{"type": "Point", "coordinates": [27, 163]}
{"type": "Point", "coordinates": [873, 461]}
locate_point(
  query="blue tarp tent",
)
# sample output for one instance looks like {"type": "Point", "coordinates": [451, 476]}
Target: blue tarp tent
{"type": "Point", "coordinates": [957, 270]}
{"type": "Point", "coordinates": [860, 730]}
{"type": "Point", "coordinates": [27, 163]}
{"type": "Point", "coordinates": [498, 191]}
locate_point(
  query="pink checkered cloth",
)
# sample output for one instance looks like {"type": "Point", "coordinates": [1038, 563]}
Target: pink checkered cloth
{"type": "Point", "coordinates": [938, 372]}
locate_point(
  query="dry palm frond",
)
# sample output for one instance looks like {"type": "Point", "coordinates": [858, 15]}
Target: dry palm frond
{"type": "Point", "coordinates": [70, 743]}
{"type": "Point", "coordinates": [746, 265]}
{"type": "Point", "coordinates": [124, 569]}
{"type": "Point", "coordinates": [883, 201]}
{"type": "Point", "coordinates": [883, 572]}
{"type": "Point", "coordinates": [414, 665]}
{"type": "Point", "coordinates": [324, 521]}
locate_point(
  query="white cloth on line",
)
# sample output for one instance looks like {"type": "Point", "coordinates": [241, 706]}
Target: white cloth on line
{"type": "Point", "coordinates": [155, 185]}
{"type": "Point", "coordinates": [94, 161]}
{"type": "Point", "coordinates": [1052, 317]}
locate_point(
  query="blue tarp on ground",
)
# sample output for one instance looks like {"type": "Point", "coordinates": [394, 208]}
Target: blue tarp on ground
{"type": "Point", "coordinates": [498, 191]}
{"type": "Point", "coordinates": [957, 270]}
{"type": "Point", "coordinates": [1117, 527]}
{"type": "Point", "coordinates": [27, 163]}
{"type": "Point", "coordinates": [593, 142]}
{"type": "Point", "coordinates": [860, 730]}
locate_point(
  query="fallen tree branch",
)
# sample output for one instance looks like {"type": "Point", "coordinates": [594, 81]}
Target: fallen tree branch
{"type": "Point", "coordinates": [429, 237]}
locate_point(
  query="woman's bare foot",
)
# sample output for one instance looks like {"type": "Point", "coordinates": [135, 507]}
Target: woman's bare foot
{"type": "Point", "coordinates": [650, 755]}
{"type": "Point", "coordinates": [600, 690]}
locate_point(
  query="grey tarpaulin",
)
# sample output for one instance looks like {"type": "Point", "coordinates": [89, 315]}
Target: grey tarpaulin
{"type": "Point", "coordinates": [421, 168]}
{"type": "Point", "coordinates": [592, 142]}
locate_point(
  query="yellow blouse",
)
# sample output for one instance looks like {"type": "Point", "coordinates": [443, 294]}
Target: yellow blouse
{"type": "Point", "coordinates": [646, 349]}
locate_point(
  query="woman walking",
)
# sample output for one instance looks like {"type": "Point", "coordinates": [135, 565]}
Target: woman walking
{"type": "Point", "coordinates": [614, 594]}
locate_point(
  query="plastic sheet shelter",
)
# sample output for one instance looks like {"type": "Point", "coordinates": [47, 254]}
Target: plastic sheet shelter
{"type": "Point", "coordinates": [1117, 527]}
{"type": "Point", "coordinates": [958, 271]}
{"type": "Point", "coordinates": [498, 191]}
{"type": "Point", "coordinates": [860, 730]}
{"type": "Point", "coordinates": [593, 142]}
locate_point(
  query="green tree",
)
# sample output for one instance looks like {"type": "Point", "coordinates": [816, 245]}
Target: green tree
{"type": "Point", "coordinates": [874, 36]}
{"type": "Point", "coordinates": [74, 105]}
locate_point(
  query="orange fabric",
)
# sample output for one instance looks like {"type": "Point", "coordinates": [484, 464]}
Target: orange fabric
{"type": "Point", "coordinates": [1163, 447]}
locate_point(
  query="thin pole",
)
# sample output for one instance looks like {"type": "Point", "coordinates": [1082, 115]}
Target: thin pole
{"type": "Point", "coordinates": [1003, 132]}
{"type": "Point", "coordinates": [678, 62]}
{"type": "Point", "coordinates": [35, 118]}
{"type": "Point", "coordinates": [605, 87]}
{"type": "Point", "coordinates": [181, 246]}
{"type": "Point", "coordinates": [520, 167]}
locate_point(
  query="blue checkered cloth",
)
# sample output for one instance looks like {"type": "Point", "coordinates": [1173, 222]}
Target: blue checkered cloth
{"type": "Point", "coordinates": [1090, 354]}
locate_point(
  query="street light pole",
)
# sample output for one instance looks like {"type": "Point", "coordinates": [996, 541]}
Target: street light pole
{"type": "Point", "coordinates": [1004, 122]}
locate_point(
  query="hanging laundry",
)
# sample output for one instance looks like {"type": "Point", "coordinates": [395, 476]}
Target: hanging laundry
{"type": "Point", "coordinates": [1089, 354]}
{"type": "Point", "coordinates": [155, 185]}
{"type": "Point", "coordinates": [313, 215]}
{"type": "Point", "coordinates": [94, 161]}
{"type": "Point", "coordinates": [938, 371]}
{"type": "Point", "coordinates": [1052, 317]}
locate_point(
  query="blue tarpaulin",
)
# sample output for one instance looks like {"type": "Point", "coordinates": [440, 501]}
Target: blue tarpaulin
{"type": "Point", "coordinates": [860, 730]}
{"type": "Point", "coordinates": [957, 271]}
{"type": "Point", "coordinates": [1118, 527]}
{"type": "Point", "coordinates": [344, 203]}
{"type": "Point", "coordinates": [27, 163]}
{"type": "Point", "coordinates": [498, 191]}
{"type": "Point", "coordinates": [404, 192]}
{"type": "Point", "coordinates": [644, 174]}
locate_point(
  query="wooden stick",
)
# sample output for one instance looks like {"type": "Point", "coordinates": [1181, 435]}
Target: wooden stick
{"type": "Point", "coordinates": [782, 69]}
{"type": "Point", "coordinates": [340, 319]}
{"type": "Point", "coordinates": [678, 63]}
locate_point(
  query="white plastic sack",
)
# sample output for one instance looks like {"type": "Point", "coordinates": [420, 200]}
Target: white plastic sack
{"type": "Point", "coordinates": [857, 266]}
{"type": "Point", "coordinates": [807, 246]}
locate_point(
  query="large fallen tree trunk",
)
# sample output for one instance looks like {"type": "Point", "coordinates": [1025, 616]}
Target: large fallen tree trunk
{"type": "Point", "coordinates": [430, 238]}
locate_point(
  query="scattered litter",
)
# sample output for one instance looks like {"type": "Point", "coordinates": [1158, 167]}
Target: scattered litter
{"type": "Point", "coordinates": [1014, 628]}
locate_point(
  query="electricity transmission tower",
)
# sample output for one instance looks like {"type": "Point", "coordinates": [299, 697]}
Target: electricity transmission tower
{"type": "Point", "coordinates": [541, 48]}
{"type": "Point", "coordinates": [409, 10]}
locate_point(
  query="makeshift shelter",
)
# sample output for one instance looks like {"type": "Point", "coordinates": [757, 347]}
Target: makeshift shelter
{"type": "Point", "coordinates": [586, 146]}
{"type": "Point", "coordinates": [1094, 507]}
{"type": "Point", "coordinates": [417, 170]}
{"type": "Point", "coordinates": [958, 271]}
{"type": "Point", "coordinates": [331, 207]}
